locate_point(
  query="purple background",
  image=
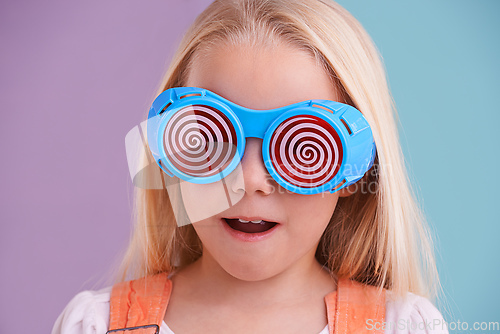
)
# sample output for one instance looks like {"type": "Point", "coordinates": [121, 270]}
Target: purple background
{"type": "Point", "coordinates": [75, 77]}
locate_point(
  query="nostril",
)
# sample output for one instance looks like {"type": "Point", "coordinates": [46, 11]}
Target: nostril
{"type": "Point", "coordinates": [252, 174]}
{"type": "Point", "coordinates": [249, 178]}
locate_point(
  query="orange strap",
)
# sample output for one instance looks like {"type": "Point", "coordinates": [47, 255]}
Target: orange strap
{"type": "Point", "coordinates": [355, 307]}
{"type": "Point", "coordinates": [139, 305]}
{"type": "Point", "coordinates": [143, 302]}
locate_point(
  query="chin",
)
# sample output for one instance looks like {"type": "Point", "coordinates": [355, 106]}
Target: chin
{"type": "Point", "coordinates": [251, 271]}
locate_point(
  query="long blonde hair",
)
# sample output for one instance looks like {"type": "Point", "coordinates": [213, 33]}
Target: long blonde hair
{"type": "Point", "coordinates": [378, 237]}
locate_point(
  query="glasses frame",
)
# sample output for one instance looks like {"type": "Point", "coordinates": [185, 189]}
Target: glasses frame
{"type": "Point", "coordinates": [358, 146]}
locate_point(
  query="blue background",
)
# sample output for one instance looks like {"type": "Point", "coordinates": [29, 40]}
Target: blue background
{"type": "Point", "coordinates": [442, 59]}
{"type": "Point", "coordinates": [75, 77]}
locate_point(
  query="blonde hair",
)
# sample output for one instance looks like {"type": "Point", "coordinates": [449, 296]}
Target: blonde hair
{"type": "Point", "coordinates": [378, 237]}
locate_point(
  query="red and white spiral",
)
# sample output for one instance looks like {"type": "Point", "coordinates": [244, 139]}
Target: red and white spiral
{"type": "Point", "coordinates": [200, 141]}
{"type": "Point", "coordinates": [306, 151]}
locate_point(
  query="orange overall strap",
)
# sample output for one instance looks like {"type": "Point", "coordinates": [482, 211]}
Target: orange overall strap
{"type": "Point", "coordinates": [139, 303]}
{"type": "Point", "coordinates": [355, 308]}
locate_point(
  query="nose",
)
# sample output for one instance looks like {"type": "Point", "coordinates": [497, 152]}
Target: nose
{"type": "Point", "coordinates": [253, 177]}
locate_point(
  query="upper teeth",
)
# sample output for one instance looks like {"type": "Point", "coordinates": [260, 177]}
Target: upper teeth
{"type": "Point", "coordinates": [251, 221]}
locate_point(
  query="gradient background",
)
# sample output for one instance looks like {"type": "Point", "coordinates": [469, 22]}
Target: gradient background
{"type": "Point", "coordinates": [76, 76]}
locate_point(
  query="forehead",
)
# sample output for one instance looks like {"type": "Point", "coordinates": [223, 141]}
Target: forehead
{"type": "Point", "coordinates": [262, 77]}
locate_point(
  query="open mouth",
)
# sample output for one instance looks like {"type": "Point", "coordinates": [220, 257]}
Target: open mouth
{"type": "Point", "coordinates": [245, 226]}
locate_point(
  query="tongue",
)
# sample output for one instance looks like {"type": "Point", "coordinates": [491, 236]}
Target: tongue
{"type": "Point", "coordinates": [249, 227]}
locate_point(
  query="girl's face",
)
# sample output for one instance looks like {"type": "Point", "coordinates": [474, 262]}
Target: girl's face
{"type": "Point", "coordinates": [262, 78]}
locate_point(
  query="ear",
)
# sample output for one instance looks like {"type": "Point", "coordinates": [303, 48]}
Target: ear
{"type": "Point", "coordinates": [348, 191]}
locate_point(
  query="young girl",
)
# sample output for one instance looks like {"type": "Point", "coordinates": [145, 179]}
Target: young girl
{"type": "Point", "coordinates": [282, 256]}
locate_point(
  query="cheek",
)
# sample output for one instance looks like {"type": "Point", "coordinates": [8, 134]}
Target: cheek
{"type": "Point", "coordinates": [202, 201]}
{"type": "Point", "coordinates": [205, 231]}
{"type": "Point", "coordinates": [310, 214]}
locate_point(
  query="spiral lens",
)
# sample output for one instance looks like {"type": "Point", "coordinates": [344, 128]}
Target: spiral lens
{"type": "Point", "coordinates": [306, 151]}
{"type": "Point", "coordinates": [200, 141]}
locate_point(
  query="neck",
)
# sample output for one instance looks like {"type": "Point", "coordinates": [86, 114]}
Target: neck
{"type": "Point", "coordinates": [304, 280]}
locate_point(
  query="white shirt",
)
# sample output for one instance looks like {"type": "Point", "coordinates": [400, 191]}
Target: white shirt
{"type": "Point", "coordinates": [88, 313]}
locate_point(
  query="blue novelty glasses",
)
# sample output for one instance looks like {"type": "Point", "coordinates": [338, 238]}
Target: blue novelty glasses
{"type": "Point", "coordinates": [308, 147]}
